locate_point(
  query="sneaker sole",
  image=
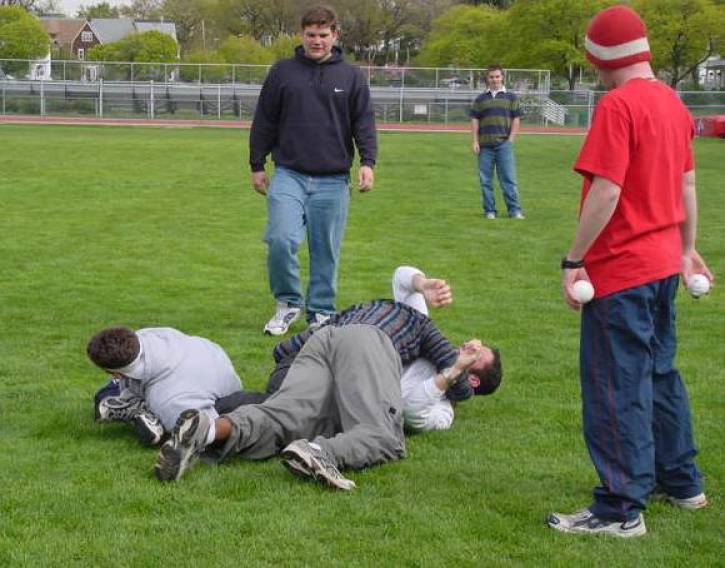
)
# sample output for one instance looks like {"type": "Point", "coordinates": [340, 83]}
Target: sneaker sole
{"type": "Point", "coordinates": [145, 435]}
{"type": "Point", "coordinates": [640, 530]}
{"type": "Point", "coordinates": [299, 465]}
{"type": "Point", "coordinates": [174, 460]}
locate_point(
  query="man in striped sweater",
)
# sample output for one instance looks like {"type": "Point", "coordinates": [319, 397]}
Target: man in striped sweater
{"type": "Point", "coordinates": [342, 393]}
{"type": "Point", "coordinates": [495, 117]}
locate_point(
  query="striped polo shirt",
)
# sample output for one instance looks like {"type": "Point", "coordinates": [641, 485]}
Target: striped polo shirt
{"type": "Point", "coordinates": [495, 115]}
{"type": "Point", "coordinates": [413, 334]}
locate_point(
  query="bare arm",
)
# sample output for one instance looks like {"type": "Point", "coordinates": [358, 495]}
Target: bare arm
{"type": "Point", "coordinates": [691, 262]}
{"type": "Point", "coordinates": [597, 210]}
{"type": "Point", "coordinates": [515, 126]}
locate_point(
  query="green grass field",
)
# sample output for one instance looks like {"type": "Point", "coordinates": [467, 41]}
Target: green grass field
{"type": "Point", "coordinates": [152, 227]}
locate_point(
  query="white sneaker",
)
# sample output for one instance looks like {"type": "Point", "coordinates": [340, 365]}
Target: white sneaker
{"type": "Point", "coordinates": [490, 215]}
{"type": "Point", "coordinates": [698, 501]}
{"type": "Point", "coordinates": [518, 215]}
{"type": "Point", "coordinates": [318, 321]}
{"type": "Point", "coordinates": [284, 317]}
{"type": "Point", "coordinates": [584, 522]}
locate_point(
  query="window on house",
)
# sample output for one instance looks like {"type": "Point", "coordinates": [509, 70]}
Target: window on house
{"type": "Point", "coordinates": [81, 53]}
{"type": "Point", "coordinates": [86, 37]}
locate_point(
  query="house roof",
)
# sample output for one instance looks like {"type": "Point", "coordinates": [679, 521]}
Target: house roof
{"type": "Point", "coordinates": [108, 30]}
{"type": "Point", "coordinates": [168, 28]}
{"type": "Point", "coordinates": [62, 31]}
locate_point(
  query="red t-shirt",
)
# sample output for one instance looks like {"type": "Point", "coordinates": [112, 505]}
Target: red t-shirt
{"type": "Point", "coordinates": [640, 139]}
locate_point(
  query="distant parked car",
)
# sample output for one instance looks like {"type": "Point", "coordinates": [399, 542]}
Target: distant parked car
{"type": "Point", "coordinates": [5, 77]}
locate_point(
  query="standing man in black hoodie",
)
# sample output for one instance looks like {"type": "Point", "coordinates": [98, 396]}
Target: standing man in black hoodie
{"type": "Point", "coordinates": [310, 110]}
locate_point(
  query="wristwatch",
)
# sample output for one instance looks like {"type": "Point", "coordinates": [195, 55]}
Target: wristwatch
{"type": "Point", "coordinates": [570, 264]}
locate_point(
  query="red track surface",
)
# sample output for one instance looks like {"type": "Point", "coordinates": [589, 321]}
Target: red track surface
{"type": "Point", "coordinates": [244, 124]}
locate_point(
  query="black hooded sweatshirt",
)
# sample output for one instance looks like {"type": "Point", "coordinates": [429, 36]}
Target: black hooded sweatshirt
{"type": "Point", "coordinates": [308, 114]}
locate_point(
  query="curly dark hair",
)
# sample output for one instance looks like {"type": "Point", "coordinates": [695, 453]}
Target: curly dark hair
{"type": "Point", "coordinates": [490, 376]}
{"type": "Point", "coordinates": [319, 16]}
{"type": "Point", "coordinates": [113, 347]}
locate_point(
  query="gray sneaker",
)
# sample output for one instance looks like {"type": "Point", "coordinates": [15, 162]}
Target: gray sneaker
{"type": "Point", "coordinates": [184, 446]}
{"type": "Point", "coordinates": [305, 460]}
{"type": "Point", "coordinates": [117, 409]}
{"type": "Point", "coordinates": [284, 316]}
{"type": "Point", "coordinates": [698, 501]}
{"type": "Point", "coordinates": [149, 429]}
{"type": "Point", "coordinates": [585, 522]}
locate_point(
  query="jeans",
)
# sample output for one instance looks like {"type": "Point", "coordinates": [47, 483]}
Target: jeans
{"type": "Point", "coordinates": [637, 423]}
{"type": "Point", "coordinates": [315, 206]}
{"type": "Point", "coordinates": [502, 157]}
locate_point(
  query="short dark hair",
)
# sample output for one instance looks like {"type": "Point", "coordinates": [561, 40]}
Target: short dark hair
{"type": "Point", "coordinates": [319, 16]}
{"type": "Point", "coordinates": [490, 376]}
{"type": "Point", "coordinates": [495, 67]}
{"type": "Point", "coordinates": [113, 347]}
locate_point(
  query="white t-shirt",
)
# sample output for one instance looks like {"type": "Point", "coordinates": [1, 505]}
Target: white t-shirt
{"type": "Point", "coordinates": [425, 406]}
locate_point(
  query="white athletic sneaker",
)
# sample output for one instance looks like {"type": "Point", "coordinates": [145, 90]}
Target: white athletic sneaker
{"type": "Point", "coordinates": [518, 215]}
{"type": "Point", "coordinates": [698, 501]}
{"type": "Point", "coordinates": [584, 522]}
{"type": "Point", "coordinates": [318, 321]}
{"type": "Point", "coordinates": [149, 429]}
{"type": "Point", "coordinates": [284, 317]}
{"type": "Point", "coordinates": [305, 460]}
{"type": "Point", "coordinates": [186, 443]}
{"type": "Point", "coordinates": [490, 215]}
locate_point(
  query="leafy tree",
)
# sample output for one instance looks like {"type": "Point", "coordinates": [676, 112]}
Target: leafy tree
{"type": "Point", "coordinates": [100, 10]}
{"type": "Point", "coordinates": [188, 16]}
{"type": "Point", "coordinates": [150, 46]}
{"type": "Point", "coordinates": [245, 49]}
{"type": "Point", "coordinates": [682, 34]}
{"type": "Point", "coordinates": [463, 36]}
{"type": "Point", "coordinates": [142, 10]}
{"type": "Point", "coordinates": [283, 46]}
{"type": "Point", "coordinates": [207, 73]}
{"type": "Point", "coordinates": [21, 37]}
{"type": "Point", "coordinates": [549, 34]}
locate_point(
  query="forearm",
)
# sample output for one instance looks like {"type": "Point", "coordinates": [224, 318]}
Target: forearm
{"type": "Point", "coordinates": [688, 228]}
{"type": "Point", "coordinates": [597, 210]}
{"type": "Point", "coordinates": [515, 126]}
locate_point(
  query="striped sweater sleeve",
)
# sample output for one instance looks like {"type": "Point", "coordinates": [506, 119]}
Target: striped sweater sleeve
{"type": "Point", "coordinates": [436, 348]}
{"type": "Point", "coordinates": [289, 348]}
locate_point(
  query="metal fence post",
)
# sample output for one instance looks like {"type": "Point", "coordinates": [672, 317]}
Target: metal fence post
{"type": "Point", "coordinates": [402, 90]}
{"type": "Point", "coordinates": [590, 104]}
{"type": "Point", "coordinates": [42, 97]}
{"type": "Point", "coordinates": [445, 111]}
{"type": "Point", "coordinates": [100, 98]}
{"type": "Point", "coordinates": [3, 97]}
{"type": "Point", "coordinates": [151, 109]}
{"type": "Point", "coordinates": [219, 101]}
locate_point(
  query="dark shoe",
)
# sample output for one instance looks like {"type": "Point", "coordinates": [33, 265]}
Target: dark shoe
{"type": "Point", "coordinates": [305, 460]}
{"type": "Point", "coordinates": [584, 522]}
{"type": "Point", "coordinates": [117, 409]}
{"type": "Point", "coordinates": [185, 445]}
{"type": "Point", "coordinates": [149, 429]}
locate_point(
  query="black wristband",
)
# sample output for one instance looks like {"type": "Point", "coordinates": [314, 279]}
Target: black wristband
{"type": "Point", "coordinates": [570, 264]}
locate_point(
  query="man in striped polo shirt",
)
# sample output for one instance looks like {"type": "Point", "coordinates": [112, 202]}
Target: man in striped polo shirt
{"type": "Point", "coordinates": [495, 117]}
{"type": "Point", "coordinates": [340, 405]}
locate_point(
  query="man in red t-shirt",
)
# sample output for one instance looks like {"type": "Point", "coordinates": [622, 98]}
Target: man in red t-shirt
{"type": "Point", "coordinates": [636, 232]}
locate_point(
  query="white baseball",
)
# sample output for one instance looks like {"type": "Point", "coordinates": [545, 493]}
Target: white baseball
{"type": "Point", "coordinates": [583, 291]}
{"type": "Point", "coordinates": [698, 285]}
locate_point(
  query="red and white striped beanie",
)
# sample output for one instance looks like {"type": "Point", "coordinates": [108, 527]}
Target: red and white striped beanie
{"type": "Point", "coordinates": [617, 37]}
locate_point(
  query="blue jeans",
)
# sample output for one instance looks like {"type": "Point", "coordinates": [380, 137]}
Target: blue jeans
{"type": "Point", "coordinates": [315, 206]}
{"type": "Point", "coordinates": [637, 422]}
{"type": "Point", "coordinates": [502, 157]}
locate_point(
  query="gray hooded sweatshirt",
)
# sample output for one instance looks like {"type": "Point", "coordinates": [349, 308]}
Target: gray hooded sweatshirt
{"type": "Point", "coordinates": [175, 371]}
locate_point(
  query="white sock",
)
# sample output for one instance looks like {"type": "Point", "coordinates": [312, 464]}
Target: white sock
{"type": "Point", "coordinates": [211, 434]}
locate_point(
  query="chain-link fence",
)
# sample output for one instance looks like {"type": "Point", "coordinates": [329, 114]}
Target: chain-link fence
{"type": "Point", "coordinates": [436, 96]}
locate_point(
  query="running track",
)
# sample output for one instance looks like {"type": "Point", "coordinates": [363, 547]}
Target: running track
{"type": "Point", "coordinates": [245, 124]}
